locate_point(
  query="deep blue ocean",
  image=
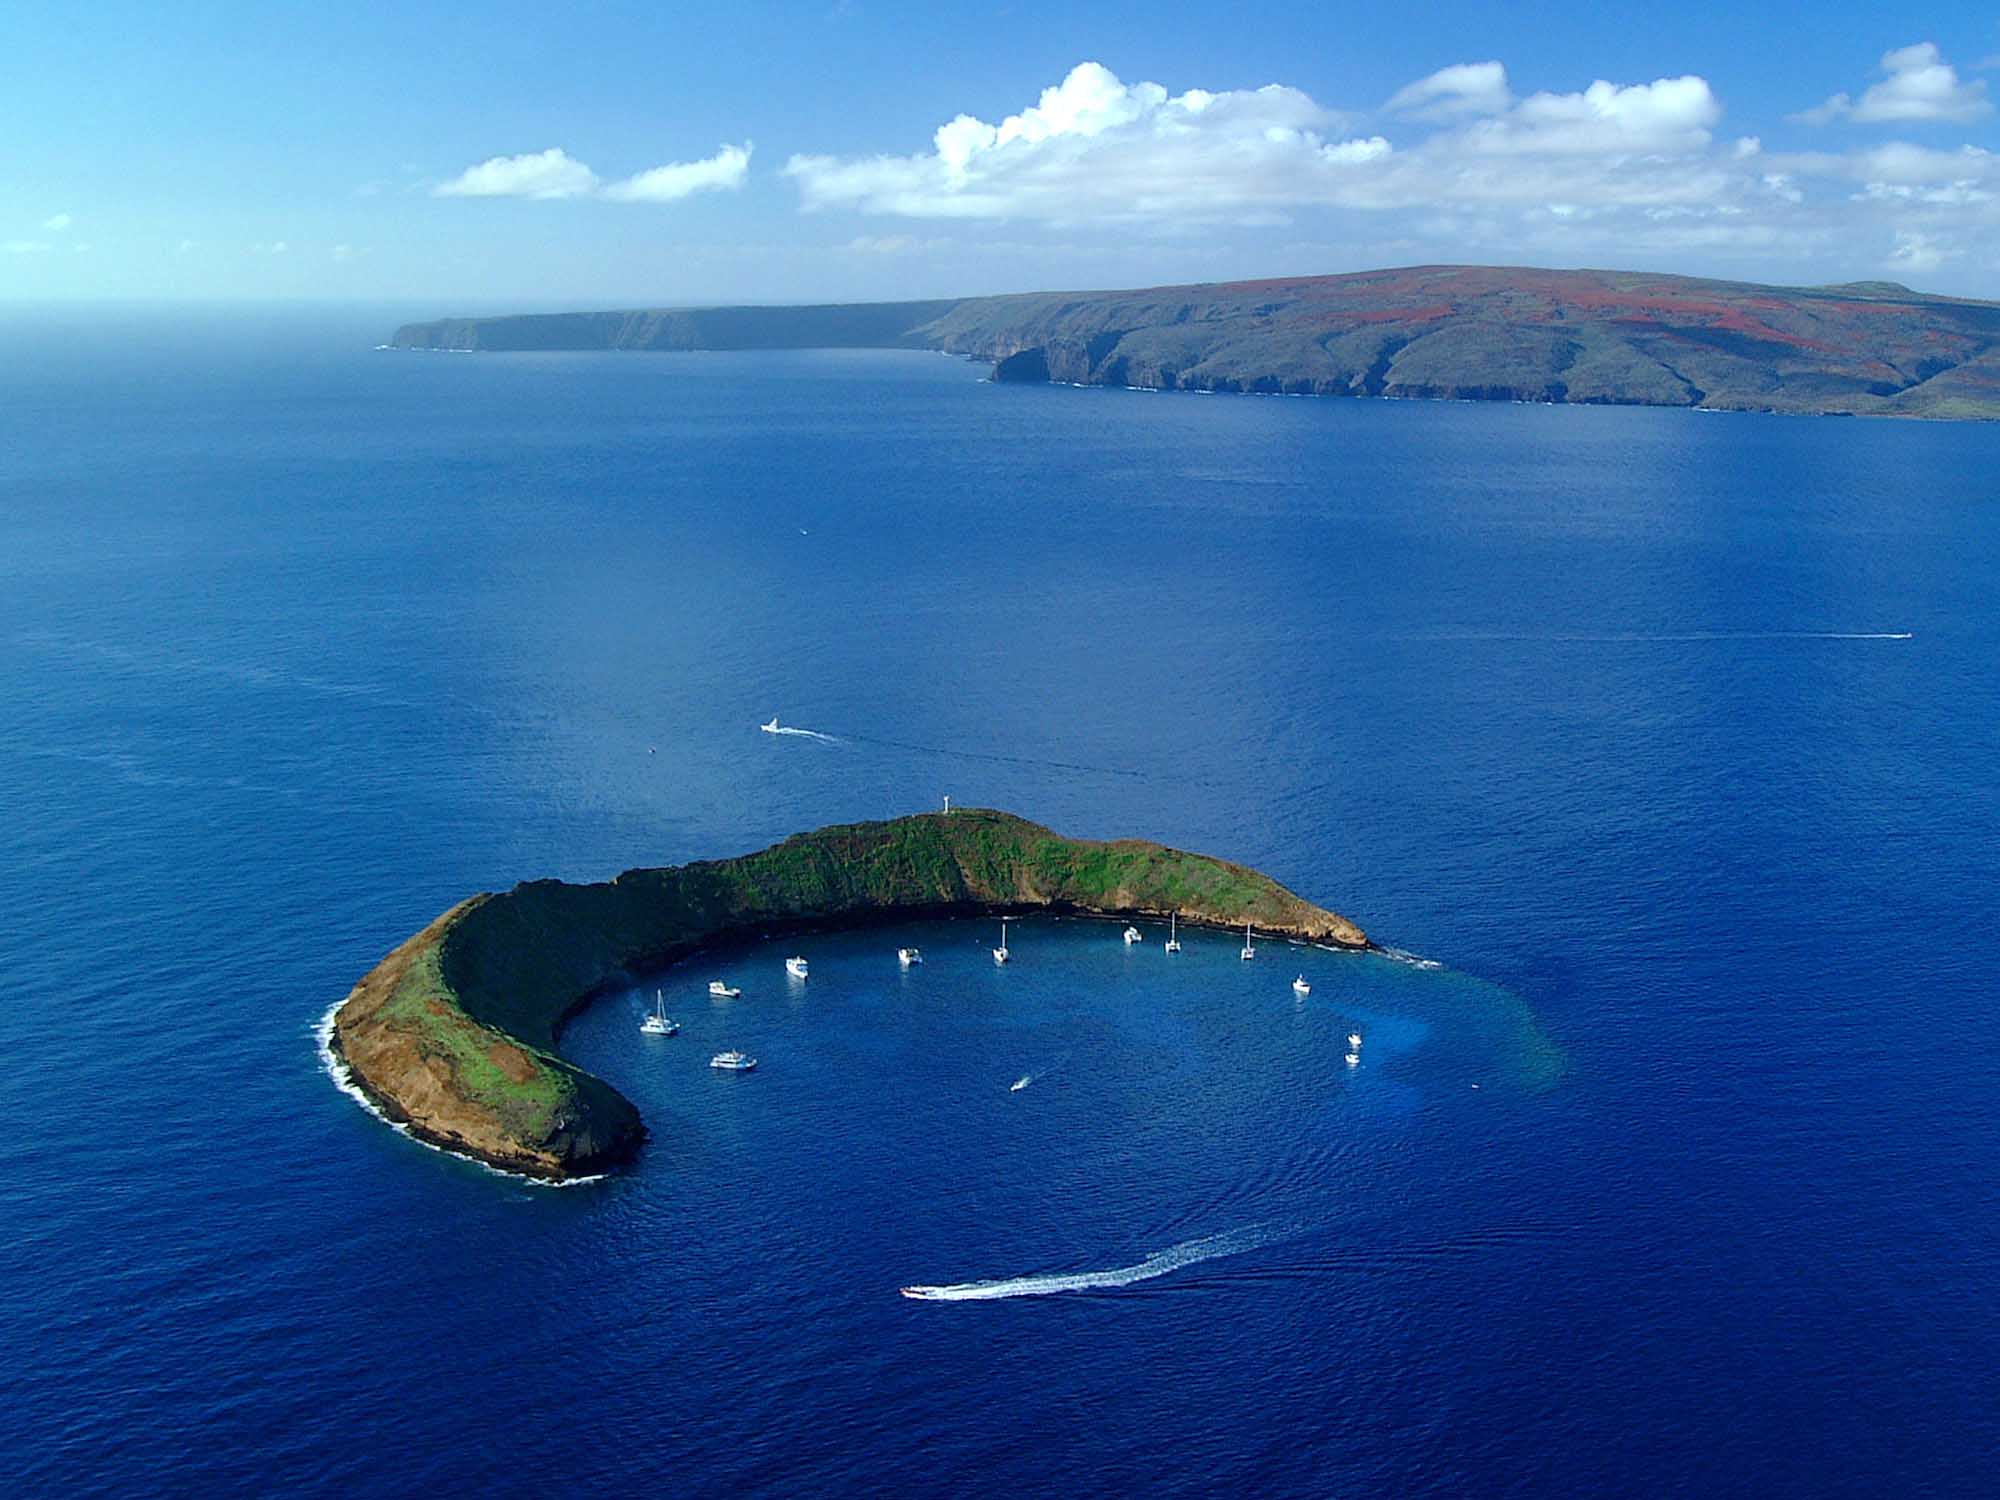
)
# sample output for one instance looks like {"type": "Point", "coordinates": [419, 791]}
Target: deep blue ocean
{"type": "Point", "coordinates": [1673, 1169]}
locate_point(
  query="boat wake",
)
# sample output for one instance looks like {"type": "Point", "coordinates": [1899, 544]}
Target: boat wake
{"type": "Point", "coordinates": [774, 727]}
{"type": "Point", "coordinates": [1163, 1263]}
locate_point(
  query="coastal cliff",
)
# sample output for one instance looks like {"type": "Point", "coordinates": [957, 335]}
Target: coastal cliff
{"type": "Point", "coordinates": [1480, 333]}
{"type": "Point", "coordinates": [453, 1033]}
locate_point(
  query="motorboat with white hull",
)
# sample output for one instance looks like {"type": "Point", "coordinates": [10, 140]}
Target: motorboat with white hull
{"type": "Point", "coordinates": [796, 967]}
{"type": "Point", "coordinates": [732, 1062]}
{"type": "Point", "coordinates": [908, 956]}
{"type": "Point", "coordinates": [723, 991]}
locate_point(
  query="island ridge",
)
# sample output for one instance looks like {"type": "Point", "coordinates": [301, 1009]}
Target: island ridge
{"type": "Point", "coordinates": [1481, 333]}
{"type": "Point", "coordinates": [453, 1033]}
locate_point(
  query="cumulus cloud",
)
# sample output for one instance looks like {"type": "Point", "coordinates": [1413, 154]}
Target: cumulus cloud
{"type": "Point", "coordinates": [554, 173]}
{"type": "Point", "coordinates": [1461, 89]}
{"type": "Point", "coordinates": [1918, 85]}
{"type": "Point", "coordinates": [1669, 114]}
{"type": "Point", "coordinates": [535, 174]}
{"type": "Point", "coordinates": [726, 169]}
{"type": "Point", "coordinates": [1097, 148]}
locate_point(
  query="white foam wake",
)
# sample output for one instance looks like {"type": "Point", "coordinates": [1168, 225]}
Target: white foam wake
{"type": "Point", "coordinates": [1414, 960]}
{"type": "Point", "coordinates": [343, 1079]}
{"type": "Point", "coordinates": [1163, 1263]}
{"type": "Point", "coordinates": [805, 734]}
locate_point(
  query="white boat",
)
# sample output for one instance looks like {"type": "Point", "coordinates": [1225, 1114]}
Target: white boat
{"type": "Point", "coordinates": [732, 1061]}
{"type": "Point", "coordinates": [1300, 987]}
{"type": "Point", "coordinates": [796, 967]}
{"type": "Point", "coordinates": [657, 1023]}
{"type": "Point", "coordinates": [1132, 936]}
{"type": "Point", "coordinates": [1249, 948]}
{"type": "Point", "coordinates": [772, 727]}
{"type": "Point", "coordinates": [722, 991]}
{"type": "Point", "coordinates": [1000, 954]}
{"type": "Point", "coordinates": [1354, 1041]}
{"type": "Point", "coordinates": [1173, 932]}
{"type": "Point", "coordinates": [1355, 1057]}
{"type": "Point", "coordinates": [908, 956]}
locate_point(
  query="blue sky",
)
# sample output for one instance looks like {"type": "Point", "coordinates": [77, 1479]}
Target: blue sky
{"type": "Point", "coordinates": [558, 156]}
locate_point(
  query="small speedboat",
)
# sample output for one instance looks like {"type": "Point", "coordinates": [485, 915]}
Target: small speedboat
{"type": "Point", "coordinates": [1173, 933]}
{"type": "Point", "coordinates": [796, 967]}
{"type": "Point", "coordinates": [772, 727]}
{"type": "Point", "coordinates": [1354, 1041]}
{"type": "Point", "coordinates": [723, 991]}
{"type": "Point", "coordinates": [908, 956]}
{"type": "Point", "coordinates": [1353, 1058]}
{"type": "Point", "coordinates": [1132, 935]}
{"type": "Point", "coordinates": [657, 1024]}
{"type": "Point", "coordinates": [1300, 987]}
{"type": "Point", "coordinates": [1000, 954]}
{"type": "Point", "coordinates": [732, 1062]}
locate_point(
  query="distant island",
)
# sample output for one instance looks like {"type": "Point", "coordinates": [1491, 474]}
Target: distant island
{"type": "Point", "coordinates": [453, 1034]}
{"type": "Point", "coordinates": [1480, 333]}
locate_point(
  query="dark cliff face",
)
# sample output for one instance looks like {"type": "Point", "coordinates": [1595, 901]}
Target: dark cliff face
{"type": "Point", "coordinates": [1477, 333]}
{"type": "Point", "coordinates": [1428, 332]}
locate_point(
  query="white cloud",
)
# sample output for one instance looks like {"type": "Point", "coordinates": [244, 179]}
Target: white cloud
{"type": "Point", "coordinates": [726, 169]}
{"type": "Point", "coordinates": [25, 247]}
{"type": "Point", "coordinates": [1462, 89]}
{"type": "Point", "coordinates": [1917, 252]}
{"type": "Point", "coordinates": [535, 174]}
{"type": "Point", "coordinates": [1920, 85]}
{"type": "Point", "coordinates": [1096, 148]}
{"type": "Point", "coordinates": [57, 223]}
{"type": "Point", "coordinates": [892, 244]}
{"type": "Point", "coordinates": [1669, 114]}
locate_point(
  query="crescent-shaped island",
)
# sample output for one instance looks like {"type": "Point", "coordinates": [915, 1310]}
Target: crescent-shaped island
{"type": "Point", "coordinates": [453, 1034]}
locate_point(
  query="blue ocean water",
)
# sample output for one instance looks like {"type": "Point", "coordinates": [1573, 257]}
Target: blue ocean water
{"type": "Point", "coordinates": [1597, 709]}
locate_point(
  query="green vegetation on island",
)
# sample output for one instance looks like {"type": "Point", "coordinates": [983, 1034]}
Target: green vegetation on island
{"type": "Point", "coordinates": [454, 1032]}
{"type": "Point", "coordinates": [1479, 333]}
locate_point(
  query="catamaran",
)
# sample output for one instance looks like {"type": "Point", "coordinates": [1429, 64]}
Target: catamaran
{"type": "Point", "coordinates": [1249, 948]}
{"type": "Point", "coordinates": [732, 1061]}
{"type": "Point", "coordinates": [722, 991]}
{"type": "Point", "coordinates": [657, 1023]}
{"type": "Point", "coordinates": [1000, 953]}
{"type": "Point", "coordinates": [1173, 932]}
{"type": "Point", "coordinates": [796, 967]}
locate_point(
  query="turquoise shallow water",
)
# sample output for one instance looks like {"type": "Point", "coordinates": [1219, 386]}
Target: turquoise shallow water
{"type": "Point", "coordinates": [300, 643]}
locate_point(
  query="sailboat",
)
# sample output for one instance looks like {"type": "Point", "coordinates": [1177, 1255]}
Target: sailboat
{"type": "Point", "coordinates": [1249, 948]}
{"type": "Point", "coordinates": [657, 1023]}
{"type": "Point", "coordinates": [1173, 940]}
{"type": "Point", "coordinates": [1000, 953]}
